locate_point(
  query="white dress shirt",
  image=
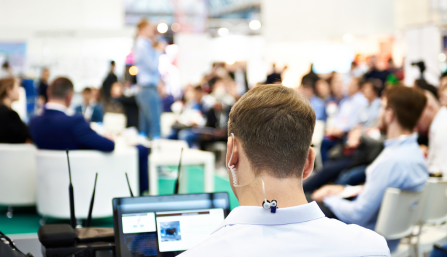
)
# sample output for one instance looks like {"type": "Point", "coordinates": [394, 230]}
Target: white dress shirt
{"type": "Point", "coordinates": [437, 149]}
{"type": "Point", "coordinates": [296, 231]}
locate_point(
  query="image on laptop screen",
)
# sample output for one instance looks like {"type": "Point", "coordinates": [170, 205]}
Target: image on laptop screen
{"type": "Point", "coordinates": [166, 225]}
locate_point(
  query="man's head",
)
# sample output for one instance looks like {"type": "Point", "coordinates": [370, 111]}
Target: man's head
{"type": "Point", "coordinates": [112, 66]}
{"type": "Point", "coordinates": [306, 89]}
{"type": "Point", "coordinates": [116, 90]}
{"type": "Point", "coordinates": [322, 89]}
{"type": "Point", "coordinates": [45, 74]}
{"type": "Point", "coordinates": [372, 62]}
{"type": "Point", "coordinates": [370, 90]}
{"type": "Point", "coordinates": [354, 86]}
{"type": "Point", "coordinates": [146, 29]}
{"type": "Point", "coordinates": [61, 91]}
{"type": "Point", "coordinates": [273, 127]}
{"type": "Point", "coordinates": [401, 107]}
{"type": "Point", "coordinates": [198, 93]}
{"type": "Point", "coordinates": [87, 95]}
{"type": "Point", "coordinates": [431, 109]}
{"type": "Point", "coordinates": [337, 87]}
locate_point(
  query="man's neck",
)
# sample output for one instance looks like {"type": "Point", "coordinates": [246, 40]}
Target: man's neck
{"type": "Point", "coordinates": [287, 192]}
{"type": "Point", "coordinates": [395, 131]}
{"type": "Point", "coordinates": [57, 101]}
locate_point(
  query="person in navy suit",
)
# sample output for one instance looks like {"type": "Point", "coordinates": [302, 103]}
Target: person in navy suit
{"type": "Point", "coordinates": [89, 108]}
{"type": "Point", "coordinates": [56, 130]}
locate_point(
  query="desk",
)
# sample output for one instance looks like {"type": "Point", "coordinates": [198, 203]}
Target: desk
{"type": "Point", "coordinates": [190, 157]}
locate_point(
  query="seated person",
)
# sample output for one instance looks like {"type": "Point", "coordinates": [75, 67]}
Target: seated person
{"type": "Point", "coordinates": [55, 130]}
{"type": "Point", "coordinates": [123, 101]}
{"type": "Point", "coordinates": [271, 128]}
{"type": "Point", "coordinates": [400, 165]}
{"type": "Point", "coordinates": [12, 128]}
{"type": "Point", "coordinates": [89, 109]}
{"type": "Point", "coordinates": [317, 104]}
{"type": "Point", "coordinates": [369, 116]}
{"type": "Point", "coordinates": [347, 118]}
{"type": "Point", "coordinates": [433, 122]}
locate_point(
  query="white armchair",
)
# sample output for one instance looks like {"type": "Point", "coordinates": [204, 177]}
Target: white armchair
{"type": "Point", "coordinates": [17, 175]}
{"type": "Point", "coordinates": [53, 180]}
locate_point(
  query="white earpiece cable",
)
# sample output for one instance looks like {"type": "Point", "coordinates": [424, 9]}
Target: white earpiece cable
{"type": "Point", "coordinates": [233, 173]}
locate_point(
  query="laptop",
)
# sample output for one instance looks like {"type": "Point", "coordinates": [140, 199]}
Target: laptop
{"type": "Point", "coordinates": [166, 225]}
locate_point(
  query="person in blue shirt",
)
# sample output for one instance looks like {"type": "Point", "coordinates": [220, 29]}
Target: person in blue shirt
{"type": "Point", "coordinates": [55, 130]}
{"type": "Point", "coordinates": [317, 103]}
{"type": "Point", "coordinates": [89, 109]}
{"type": "Point", "coordinates": [347, 118]}
{"type": "Point", "coordinates": [147, 53]}
{"type": "Point", "coordinates": [400, 165]}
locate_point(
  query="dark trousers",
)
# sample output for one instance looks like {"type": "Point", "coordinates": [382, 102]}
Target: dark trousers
{"type": "Point", "coordinates": [143, 158]}
{"type": "Point", "coordinates": [327, 174]}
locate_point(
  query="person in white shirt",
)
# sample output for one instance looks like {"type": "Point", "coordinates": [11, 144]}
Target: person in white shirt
{"type": "Point", "coordinates": [433, 122]}
{"type": "Point", "coordinates": [269, 155]}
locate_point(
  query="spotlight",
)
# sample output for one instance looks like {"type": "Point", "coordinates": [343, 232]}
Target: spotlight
{"type": "Point", "coordinates": [133, 70]}
{"type": "Point", "coordinates": [223, 32]}
{"type": "Point", "coordinates": [162, 28]}
{"type": "Point", "coordinates": [230, 62]}
{"type": "Point", "coordinates": [441, 57]}
{"type": "Point", "coordinates": [254, 24]}
{"type": "Point", "coordinates": [175, 27]}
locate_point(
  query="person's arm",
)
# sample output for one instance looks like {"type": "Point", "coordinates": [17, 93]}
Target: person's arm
{"type": "Point", "coordinates": [146, 56]}
{"type": "Point", "coordinates": [367, 204]}
{"type": "Point", "coordinates": [89, 139]}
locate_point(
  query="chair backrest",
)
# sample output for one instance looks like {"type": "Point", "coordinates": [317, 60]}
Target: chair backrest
{"type": "Point", "coordinates": [167, 119]}
{"type": "Point", "coordinates": [398, 213]}
{"type": "Point", "coordinates": [53, 180]}
{"type": "Point", "coordinates": [435, 202]}
{"type": "Point", "coordinates": [17, 174]}
{"type": "Point", "coordinates": [166, 145]}
{"type": "Point", "coordinates": [114, 123]}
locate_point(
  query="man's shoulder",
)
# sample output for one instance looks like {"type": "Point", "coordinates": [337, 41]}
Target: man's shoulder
{"type": "Point", "coordinates": [59, 118]}
{"type": "Point", "coordinates": [338, 238]}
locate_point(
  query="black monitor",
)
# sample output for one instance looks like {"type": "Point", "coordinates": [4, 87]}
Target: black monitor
{"type": "Point", "coordinates": [166, 225]}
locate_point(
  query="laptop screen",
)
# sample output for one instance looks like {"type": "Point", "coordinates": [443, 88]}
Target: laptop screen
{"type": "Point", "coordinates": [166, 225]}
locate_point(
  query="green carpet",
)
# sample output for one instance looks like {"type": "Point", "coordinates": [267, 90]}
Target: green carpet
{"type": "Point", "coordinates": [26, 220]}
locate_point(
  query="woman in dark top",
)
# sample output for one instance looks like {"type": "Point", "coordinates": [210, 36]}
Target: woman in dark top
{"type": "Point", "coordinates": [12, 129]}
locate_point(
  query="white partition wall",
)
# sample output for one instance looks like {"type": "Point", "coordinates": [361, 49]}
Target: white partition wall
{"type": "Point", "coordinates": [423, 43]}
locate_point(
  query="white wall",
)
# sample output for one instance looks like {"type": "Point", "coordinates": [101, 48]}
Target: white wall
{"type": "Point", "coordinates": [423, 43]}
{"type": "Point", "coordinates": [296, 32]}
{"type": "Point", "coordinates": [74, 38]}
{"type": "Point", "coordinates": [298, 20]}
{"type": "Point", "coordinates": [61, 14]}
{"type": "Point", "coordinates": [197, 52]}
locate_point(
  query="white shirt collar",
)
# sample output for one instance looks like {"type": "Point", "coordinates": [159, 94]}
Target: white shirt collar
{"type": "Point", "coordinates": [56, 107]}
{"type": "Point", "coordinates": [254, 215]}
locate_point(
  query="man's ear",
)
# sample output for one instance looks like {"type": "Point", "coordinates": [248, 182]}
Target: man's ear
{"type": "Point", "coordinates": [309, 165]}
{"type": "Point", "coordinates": [232, 149]}
{"type": "Point", "coordinates": [68, 99]}
{"type": "Point", "coordinates": [389, 115]}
